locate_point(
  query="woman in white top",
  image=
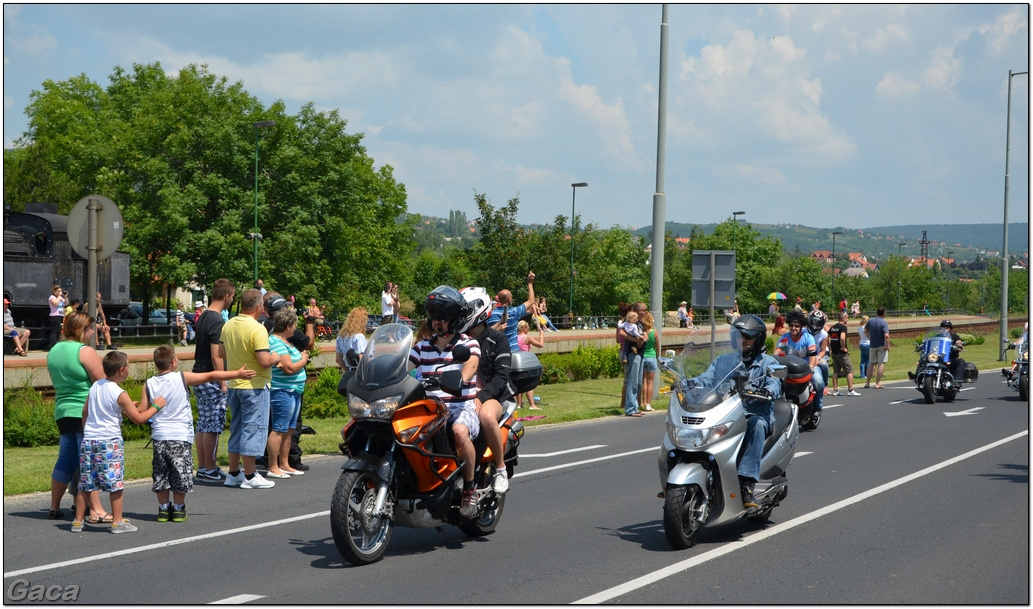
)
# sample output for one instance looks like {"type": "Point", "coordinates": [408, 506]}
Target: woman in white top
{"type": "Point", "coordinates": [352, 335]}
{"type": "Point", "coordinates": [864, 345]}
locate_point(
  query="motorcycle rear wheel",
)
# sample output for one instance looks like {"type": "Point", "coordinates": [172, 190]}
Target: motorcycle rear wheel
{"type": "Point", "coordinates": [813, 421]}
{"type": "Point", "coordinates": [485, 522]}
{"type": "Point", "coordinates": [360, 537]}
{"type": "Point", "coordinates": [682, 507]}
{"type": "Point", "coordinates": [927, 390]}
{"type": "Point", "coordinates": [1024, 387]}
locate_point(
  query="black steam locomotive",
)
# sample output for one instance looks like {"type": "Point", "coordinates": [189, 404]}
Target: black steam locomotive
{"type": "Point", "coordinates": [38, 256]}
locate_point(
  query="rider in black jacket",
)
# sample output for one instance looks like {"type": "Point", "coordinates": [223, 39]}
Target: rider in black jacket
{"type": "Point", "coordinates": [494, 386]}
{"type": "Point", "coordinates": [957, 365]}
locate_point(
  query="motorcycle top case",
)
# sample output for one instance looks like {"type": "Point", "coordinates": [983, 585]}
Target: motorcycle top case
{"type": "Point", "coordinates": [798, 377]}
{"type": "Point", "coordinates": [525, 371]}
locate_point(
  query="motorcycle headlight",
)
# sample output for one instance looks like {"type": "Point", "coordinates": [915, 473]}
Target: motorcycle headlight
{"type": "Point", "coordinates": [688, 438]}
{"type": "Point", "coordinates": [934, 357]}
{"type": "Point", "coordinates": [383, 408]}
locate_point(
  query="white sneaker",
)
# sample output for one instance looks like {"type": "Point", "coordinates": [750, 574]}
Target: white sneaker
{"type": "Point", "coordinates": [853, 393]}
{"type": "Point", "coordinates": [257, 482]}
{"type": "Point", "coordinates": [232, 480]}
{"type": "Point", "coordinates": [835, 392]}
{"type": "Point", "coordinates": [501, 481]}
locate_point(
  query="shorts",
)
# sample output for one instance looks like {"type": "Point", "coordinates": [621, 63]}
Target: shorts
{"type": "Point", "coordinates": [172, 467]}
{"type": "Point", "coordinates": [649, 364]}
{"type": "Point", "coordinates": [249, 421]}
{"type": "Point", "coordinates": [70, 429]}
{"type": "Point", "coordinates": [465, 416]}
{"type": "Point", "coordinates": [841, 364]}
{"type": "Point", "coordinates": [284, 409]}
{"type": "Point", "coordinates": [879, 355]}
{"type": "Point", "coordinates": [102, 465]}
{"type": "Point", "coordinates": [211, 408]}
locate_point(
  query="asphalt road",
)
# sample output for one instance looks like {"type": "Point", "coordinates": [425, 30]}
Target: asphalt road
{"type": "Point", "coordinates": [891, 501]}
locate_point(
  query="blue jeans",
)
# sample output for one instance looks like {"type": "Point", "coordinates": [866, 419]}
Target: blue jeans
{"type": "Point", "coordinates": [249, 421]}
{"type": "Point", "coordinates": [284, 409]}
{"type": "Point", "coordinates": [67, 457]}
{"type": "Point", "coordinates": [757, 428]}
{"type": "Point", "coordinates": [865, 350]}
{"type": "Point", "coordinates": [632, 383]}
{"type": "Point", "coordinates": [818, 376]}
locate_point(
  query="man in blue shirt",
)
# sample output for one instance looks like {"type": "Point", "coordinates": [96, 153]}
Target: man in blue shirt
{"type": "Point", "coordinates": [879, 335]}
{"type": "Point", "coordinates": [749, 336]}
{"type": "Point", "coordinates": [511, 314]}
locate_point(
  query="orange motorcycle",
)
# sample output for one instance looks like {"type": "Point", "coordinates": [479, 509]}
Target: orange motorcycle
{"type": "Point", "coordinates": [402, 469]}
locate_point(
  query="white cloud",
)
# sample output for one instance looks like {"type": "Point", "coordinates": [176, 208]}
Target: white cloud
{"type": "Point", "coordinates": [944, 70]}
{"type": "Point", "coordinates": [895, 86]}
{"type": "Point", "coordinates": [26, 38]}
{"type": "Point", "coordinates": [885, 36]}
{"type": "Point", "coordinates": [1005, 28]}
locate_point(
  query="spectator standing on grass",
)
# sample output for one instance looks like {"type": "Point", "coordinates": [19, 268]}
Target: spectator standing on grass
{"type": "Point", "coordinates": [879, 335]}
{"type": "Point", "coordinates": [172, 429]}
{"type": "Point", "coordinates": [649, 364]}
{"type": "Point", "coordinates": [838, 339]}
{"type": "Point", "coordinates": [288, 383]}
{"type": "Point", "coordinates": [525, 341]}
{"type": "Point", "coordinates": [633, 371]}
{"type": "Point", "coordinates": [211, 395]}
{"type": "Point", "coordinates": [245, 342]}
{"type": "Point", "coordinates": [352, 336]}
{"type": "Point", "coordinates": [512, 315]}
{"type": "Point", "coordinates": [863, 345]}
{"type": "Point", "coordinates": [102, 452]}
{"type": "Point", "coordinates": [73, 367]}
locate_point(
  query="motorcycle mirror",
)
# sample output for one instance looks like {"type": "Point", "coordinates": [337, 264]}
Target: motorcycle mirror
{"type": "Point", "coordinates": [669, 353]}
{"type": "Point", "coordinates": [351, 358]}
{"type": "Point", "coordinates": [452, 381]}
{"type": "Point", "coordinates": [460, 353]}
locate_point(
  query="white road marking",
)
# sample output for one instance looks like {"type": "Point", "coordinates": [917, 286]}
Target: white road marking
{"type": "Point", "coordinates": [961, 413]}
{"type": "Point", "coordinates": [679, 567]}
{"type": "Point", "coordinates": [803, 453]}
{"type": "Point", "coordinates": [165, 544]}
{"type": "Point", "coordinates": [563, 452]}
{"type": "Point", "coordinates": [585, 462]}
{"type": "Point", "coordinates": [239, 599]}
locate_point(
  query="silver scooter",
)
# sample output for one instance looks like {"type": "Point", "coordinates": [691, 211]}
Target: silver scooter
{"type": "Point", "coordinates": [700, 451]}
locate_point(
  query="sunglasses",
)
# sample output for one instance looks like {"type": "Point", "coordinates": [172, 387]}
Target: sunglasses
{"type": "Point", "coordinates": [795, 326]}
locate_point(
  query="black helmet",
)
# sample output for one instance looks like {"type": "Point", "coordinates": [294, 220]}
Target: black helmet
{"type": "Point", "coordinates": [753, 327]}
{"type": "Point", "coordinates": [947, 324]}
{"type": "Point", "coordinates": [445, 303]}
{"type": "Point", "coordinates": [816, 321]}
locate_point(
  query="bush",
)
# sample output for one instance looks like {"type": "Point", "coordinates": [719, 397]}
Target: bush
{"type": "Point", "coordinates": [28, 419]}
{"type": "Point", "coordinates": [321, 400]}
{"type": "Point", "coordinates": [584, 363]}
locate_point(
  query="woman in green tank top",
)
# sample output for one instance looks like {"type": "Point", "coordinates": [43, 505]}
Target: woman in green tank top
{"type": "Point", "coordinates": [649, 364]}
{"type": "Point", "coordinates": [73, 368]}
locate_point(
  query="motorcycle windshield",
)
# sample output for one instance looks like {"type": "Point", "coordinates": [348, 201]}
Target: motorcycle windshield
{"type": "Point", "coordinates": [938, 342]}
{"type": "Point", "coordinates": [690, 396]}
{"type": "Point", "coordinates": [386, 358]}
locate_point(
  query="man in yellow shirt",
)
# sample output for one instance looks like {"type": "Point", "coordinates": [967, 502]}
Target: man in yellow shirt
{"type": "Point", "coordinates": [245, 342]}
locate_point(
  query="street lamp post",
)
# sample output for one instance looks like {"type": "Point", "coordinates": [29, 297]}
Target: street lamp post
{"type": "Point", "coordinates": [256, 236]}
{"type": "Point", "coordinates": [950, 254]}
{"type": "Point", "coordinates": [1003, 343]}
{"type": "Point", "coordinates": [735, 220]}
{"type": "Point", "coordinates": [899, 245]}
{"type": "Point", "coordinates": [573, 198]}
{"type": "Point", "coordinates": [834, 233]}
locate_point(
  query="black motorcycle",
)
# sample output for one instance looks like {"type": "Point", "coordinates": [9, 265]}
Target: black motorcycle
{"type": "Point", "coordinates": [1019, 379]}
{"type": "Point", "coordinates": [933, 377]}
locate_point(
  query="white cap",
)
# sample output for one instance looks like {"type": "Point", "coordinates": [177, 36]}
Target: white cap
{"type": "Point", "coordinates": [198, 304]}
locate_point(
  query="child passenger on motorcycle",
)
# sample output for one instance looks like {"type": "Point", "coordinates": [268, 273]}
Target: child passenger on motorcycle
{"type": "Point", "coordinates": [432, 357]}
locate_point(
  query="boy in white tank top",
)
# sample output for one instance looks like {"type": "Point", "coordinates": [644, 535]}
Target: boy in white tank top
{"type": "Point", "coordinates": [172, 430]}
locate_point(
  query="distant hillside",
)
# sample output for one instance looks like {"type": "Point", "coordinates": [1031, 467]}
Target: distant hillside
{"type": "Point", "coordinates": [965, 240]}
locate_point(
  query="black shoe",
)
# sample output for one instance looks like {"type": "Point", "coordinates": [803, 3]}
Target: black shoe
{"type": "Point", "coordinates": [748, 501]}
{"type": "Point", "coordinates": [301, 467]}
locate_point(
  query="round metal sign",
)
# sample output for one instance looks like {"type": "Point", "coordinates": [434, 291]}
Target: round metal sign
{"type": "Point", "coordinates": [110, 226]}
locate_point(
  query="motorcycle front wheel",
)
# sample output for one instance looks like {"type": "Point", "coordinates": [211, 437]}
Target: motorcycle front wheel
{"type": "Point", "coordinates": [683, 507]}
{"type": "Point", "coordinates": [927, 390]}
{"type": "Point", "coordinates": [360, 537]}
{"type": "Point", "coordinates": [1024, 387]}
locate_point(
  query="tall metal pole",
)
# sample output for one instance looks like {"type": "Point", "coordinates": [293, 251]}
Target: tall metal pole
{"type": "Point", "coordinates": [950, 254]}
{"type": "Point", "coordinates": [1002, 344]}
{"type": "Point", "coordinates": [834, 233]}
{"type": "Point", "coordinates": [735, 227]}
{"type": "Point", "coordinates": [573, 198]}
{"type": "Point", "coordinates": [901, 270]}
{"type": "Point", "coordinates": [256, 236]}
{"type": "Point", "coordinates": [656, 261]}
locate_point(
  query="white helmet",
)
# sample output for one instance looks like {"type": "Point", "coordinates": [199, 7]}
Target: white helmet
{"type": "Point", "coordinates": [478, 307]}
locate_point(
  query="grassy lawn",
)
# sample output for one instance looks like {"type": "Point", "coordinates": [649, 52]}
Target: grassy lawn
{"type": "Point", "coordinates": [27, 469]}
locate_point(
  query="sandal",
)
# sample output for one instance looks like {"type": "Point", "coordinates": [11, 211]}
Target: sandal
{"type": "Point", "coordinates": [94, 519]}
{"type": "Point", "coordinates": [55, 514]}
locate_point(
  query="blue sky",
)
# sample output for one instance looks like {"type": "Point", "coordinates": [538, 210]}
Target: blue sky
{"type": "Point", "coordinates": [822, 115]}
